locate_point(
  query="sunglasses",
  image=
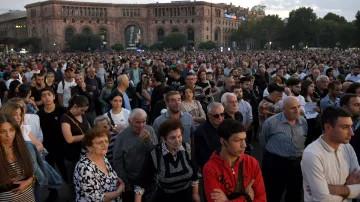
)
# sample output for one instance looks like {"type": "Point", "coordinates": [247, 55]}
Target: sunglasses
{"type": "Point", "coordinates": [218, 115]}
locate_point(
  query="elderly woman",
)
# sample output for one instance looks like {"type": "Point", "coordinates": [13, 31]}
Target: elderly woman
{"type": "Point", "coordinates": [94, 178]}
{"type": "Point", "coordinates": [17, 172]}
{"type": "Point", "coordinates": [192, 106]}
{"type": "Point", "coordinates": [171, 167]}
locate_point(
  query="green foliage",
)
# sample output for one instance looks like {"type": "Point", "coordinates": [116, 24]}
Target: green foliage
{"type": "Point", "coordinates": [357, 25]}
{"type": "Point", "coordinates": [117, 47]}
{"type": "Point", "coordinates": [33, 44]}
{"type": "Point", "coordinates": [157, 46]}
{"type": "Point", "coordinates": [208, 45]}
{"type": "Point", "coordinates": [334, 17]}
{"type": "Point", "coordinates": [176, 40]}
{"type": "Point", "coordinates": [95, 42]}
{"type": "Point", "coordinates": [145, 47]}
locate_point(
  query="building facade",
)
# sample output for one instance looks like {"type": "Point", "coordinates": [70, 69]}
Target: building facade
{"type": "Point", "coordinates": [55, 22]}
{"type": "Point", "coordinates": [13, 24]}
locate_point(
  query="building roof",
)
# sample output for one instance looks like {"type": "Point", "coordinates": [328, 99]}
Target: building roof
{"type": "Point", "coordinates": [12, 15]}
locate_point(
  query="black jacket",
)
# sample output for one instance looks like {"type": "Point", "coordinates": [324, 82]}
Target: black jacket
{"type": "Point", "coordinates": [206, 141]}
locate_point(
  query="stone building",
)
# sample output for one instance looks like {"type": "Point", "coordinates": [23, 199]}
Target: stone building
{"type": "Point", "coordinates": [13, 25]}
{"type": "Point", "coordinates": [56, 21]}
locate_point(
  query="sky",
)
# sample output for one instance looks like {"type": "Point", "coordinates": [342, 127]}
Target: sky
{"type": "Point", "coordinates": [346, 8]}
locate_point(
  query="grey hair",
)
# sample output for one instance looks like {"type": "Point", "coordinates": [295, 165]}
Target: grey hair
{"type": "Point", "coordinates": [213, 105]}
{"type": "Point", "coordinates": [80, 74]}
{"type": "Point", "coordinates": [322, 77]}
{"type": "Point", "coordinates": [224, 97]}
{"type": "Point", "coordinates": [137, 112]}
{"type": "Point", "coordinates": [101, 118]}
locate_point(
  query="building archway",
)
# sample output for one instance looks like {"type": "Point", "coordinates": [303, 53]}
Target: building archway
{"type": "Point", "coordinates": [191, 36]}
{"type": "Point", "coordinates": [103, 33]}
{"type": "Point", "coordinates": [87, 31]}
{"type": "Point", "coordinates": [160, 34]}
{"type": "Point", "coordinates": [69, 33]}
{"type": "Point", "coordinates": [132, 36]}
{"type": "Point", "coordinates": [217, 35]}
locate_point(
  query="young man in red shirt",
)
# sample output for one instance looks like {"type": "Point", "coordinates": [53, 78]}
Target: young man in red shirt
{"type": "Point", "coordinates": [230, 175]}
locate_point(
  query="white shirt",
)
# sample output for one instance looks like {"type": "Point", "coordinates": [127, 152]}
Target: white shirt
{"type": "Point", "coordinates": [246, 110]}
{"type": "Point", "coordinates": [120, 118]}
{"type": "Point", "coordinates": [352, 77]}
{"type": "Point", "coordinates": [25, 130]}
{"type": "Point", "coordinates": [322, 165]}
{"type": "Point", "coordinates": [302, 75]}
{"type": "Point", "coordinates": [34, 122]}
{"type": "Point", "coordinates": [101, 74]}
{"type": "Point", "coordinates": [9, 81]}
{"type": "Point", "coordinates": [66, 91]}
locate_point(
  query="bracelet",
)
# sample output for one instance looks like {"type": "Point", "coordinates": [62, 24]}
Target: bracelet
{"type": "Point", "coordinates": [247, 197]}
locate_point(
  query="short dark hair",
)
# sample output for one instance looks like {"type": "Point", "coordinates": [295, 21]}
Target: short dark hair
{"type": "Point", "coordinates": [332, 84]}
{"type": "Point", "coordinates": [78, 100]}
{"type": "Point", "coordinates": [171, 93]}
{"type": "Point", "coordinates": [189, 87]}
{"type": "Point", "coordinates": [24, 90]}
{"type": "Point", "coordinates": [331, 114]}
{"type": "Point", "coordinates": [169, 125]}
{"type": "Point", "coordinates": [39, 75]}
{"type": "Point", "coordinates": [175, 70]}
{"type": "Point", "coordinates": [159, 76]}
{"type": "Point", "coordinates": [352, 88]}
{"type": "Point", "coordinates": [236, 86]}
{"type": "Point", "coordinates": [93, 133]}
{"type": "Point", "coordinates": [345, 99]}
{"type": "Point", "coordinates": [275, 87]}
{"type": "Point", "coordinates": [47, 88]}
{"type": "Point", "coordinates": [229, 127]}
{"type": "Point", "coordinates": [115, 94]}
{"type": "Point", "coordinates": [168, 89]}
{"type": "Point", "coordinates": [245, 79]}
{"type": "Point", "coordinates": [293, 82]}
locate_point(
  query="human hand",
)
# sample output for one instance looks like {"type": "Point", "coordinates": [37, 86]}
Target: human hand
{"type": "Point", "coordinates": [145, 135]}
{"type": "Point", "coordinates": [249, 190]}
{"type": "Point", "coordinates": [196, 197]}
{"type": "Point", "coordinates": [40, 147]}
{"type": "Point", "coordinates": [22, 185]}
{"type": "Point", "coordinates": [353, 178]}
{"type": "Point", "coordinates": [83, 86]}
{"type": "Point", "coordinates": [121, 186]}
{"type": "Point", "coordinates": [218, 196]}
{"type": "Point", "coordinates": [287, 91]}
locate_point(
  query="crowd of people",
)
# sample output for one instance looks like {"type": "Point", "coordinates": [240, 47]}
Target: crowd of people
{"type": "Point", "coordinates": [181, 126]}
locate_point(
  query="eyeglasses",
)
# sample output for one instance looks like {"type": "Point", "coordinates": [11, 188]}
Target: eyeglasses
{"type": "Point", "coordinates": [217, 115]}
{"type": "Point", "coordinates": [104, 142]}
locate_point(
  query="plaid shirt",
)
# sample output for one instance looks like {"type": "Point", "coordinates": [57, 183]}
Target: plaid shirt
{"type": "Point", "coordinates": [267, 108]}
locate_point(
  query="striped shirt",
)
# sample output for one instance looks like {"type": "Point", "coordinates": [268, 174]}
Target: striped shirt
{"type": "Point", "coordinates": [268, 108]}
{"type": "Point", "coordinates": [16, 174]}
{"type": "Point", "coordinates": [281, 138]}
{"type": "Point", "coordinates": [326, 102]}
{"type": "Point", "coordinates": [109, 154]}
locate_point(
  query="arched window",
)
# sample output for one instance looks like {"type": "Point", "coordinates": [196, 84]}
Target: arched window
{"type": "Point", "coordinates": [87, 31]}
{"type": "Point", "coordinates": [69, 33]}
{"type": "Point", "coordinates": [174, 29]}
{"type": "Point", "coordinates": [160, 34]}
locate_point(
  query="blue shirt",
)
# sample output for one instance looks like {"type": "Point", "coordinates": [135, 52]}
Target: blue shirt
{"type": "Point", "coordinates": [186, 120]}
{"type": "Point", "coordinates": [326, 102]}
{"type": "Point", "coordinates": [283, 139]}
{"type": "Point", "coordinates": [126, 101]}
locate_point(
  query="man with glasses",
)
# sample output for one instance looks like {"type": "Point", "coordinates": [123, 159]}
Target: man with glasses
{"type": "Point", "coordinates": [206, 140]}
{"type": "Point", "coordinates": [173, 102]}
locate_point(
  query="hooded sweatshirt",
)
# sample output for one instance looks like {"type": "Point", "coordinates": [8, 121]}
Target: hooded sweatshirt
{"type": "Point", "coordinates": [218, 174]}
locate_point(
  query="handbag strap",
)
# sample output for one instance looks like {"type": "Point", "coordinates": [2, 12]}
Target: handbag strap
{"type": "Point", "coordinates": [111, 120]}
{"type": "Point", "coordinates": [75, 123]}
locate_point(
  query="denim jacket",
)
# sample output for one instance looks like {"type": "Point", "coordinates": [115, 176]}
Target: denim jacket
{"type": "Point", "coordinates": [38, 164]}
{"type": "Point", "coordinates": [44, 173]}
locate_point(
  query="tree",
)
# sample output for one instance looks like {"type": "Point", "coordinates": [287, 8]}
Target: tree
{"type": "Point", "coordinates": [33, 44]}
{"type": "Point", "coordinates": [334, 17]}
{"type": "Point", "coordinates": [157, 46]}
{"type": "Point", "coordinates": [208, 45]}
{"type": "Point", "coordinates": [117, 47]}
{"type": "Point", "coordinates": [79, 42]}
{"type": "Point", "coordinates": [301, 27]}
{"type": "Point", "coordinates": [357, 25]}
{"type": "Point", "coordinates": [176, 40]}
{"type": "Point", "coordinates": [269, 29]}
{"type": "Point", "coordinates": [95, 42]}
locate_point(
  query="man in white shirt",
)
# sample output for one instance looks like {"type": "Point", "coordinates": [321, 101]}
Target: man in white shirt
{"type": "Point", "coordinates": [294, 85]}
{"type": "Point", "coordinates": [14, 76]}
{"type": "Point", "coordinates": [63, 90]}
{"type": "Point", "coordinates": [354, 76]}
{"type": "Point", "coordinates": [244, 107]}
{"type": "Point", "coordinates": [329, 165]}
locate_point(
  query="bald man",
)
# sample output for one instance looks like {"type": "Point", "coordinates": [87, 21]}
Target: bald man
{"type": "Point", "coordinates": [123, 84]}
{"type": "Point", "coordinates": [283, 136]}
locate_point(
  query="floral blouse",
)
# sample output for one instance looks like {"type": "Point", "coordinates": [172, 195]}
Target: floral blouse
{"type": "Point", "coordinates": [91, 183]}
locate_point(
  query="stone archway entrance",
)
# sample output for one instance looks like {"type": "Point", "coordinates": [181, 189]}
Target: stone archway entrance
{"type": "Point", "coordinates": [132, 36]}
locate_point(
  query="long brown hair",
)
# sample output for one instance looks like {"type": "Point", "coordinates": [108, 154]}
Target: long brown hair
{"type": "Point", "coordinates": [21, 153]}
{"type": "Point", "coordinates": [11, 107]}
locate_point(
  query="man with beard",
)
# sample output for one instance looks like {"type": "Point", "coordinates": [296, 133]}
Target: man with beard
{"type": "Point", "coordinates": [36, 90]}
{"type": "Point", "coordinates": [229, 100]}
{"type": "Point", "coordinates": [294, 85]}
{"type": "Point", "coordinates": [261, 78]}
{"type": "Point", "coordinates": [332, 98]}
{"type": "Point", "coordinates": [244, 107]}
{"type": "Point", "coordinates": [351, 102]}
{"type": "Point", "coordinates": [173, 102]}
{"type": "Point", "coordinates": [354, 76]}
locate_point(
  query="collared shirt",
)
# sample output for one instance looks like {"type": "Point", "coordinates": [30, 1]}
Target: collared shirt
{"type": "Point", "coordinates": [326, 102]}
{"type": "Point", "coordinates": [352, 77]}
{"type": "Point", "coordinates": [246, 110]}
{"type": "Point", "coordinates": [186, 120]}
{"type": "Point", "coordinates": [165, 150]}
{"type": "Point", "coordinates": [237, 116]}
{"type": "Point", "coordinates": [267, 108]}
{"type": "Point", "coordinates": [322, 165]}
{"type": "Point", "coordinates": [283, 139]}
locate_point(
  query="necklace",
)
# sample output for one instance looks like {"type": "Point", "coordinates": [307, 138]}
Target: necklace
{"type": "Point", "coordinates": [9, 147]}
